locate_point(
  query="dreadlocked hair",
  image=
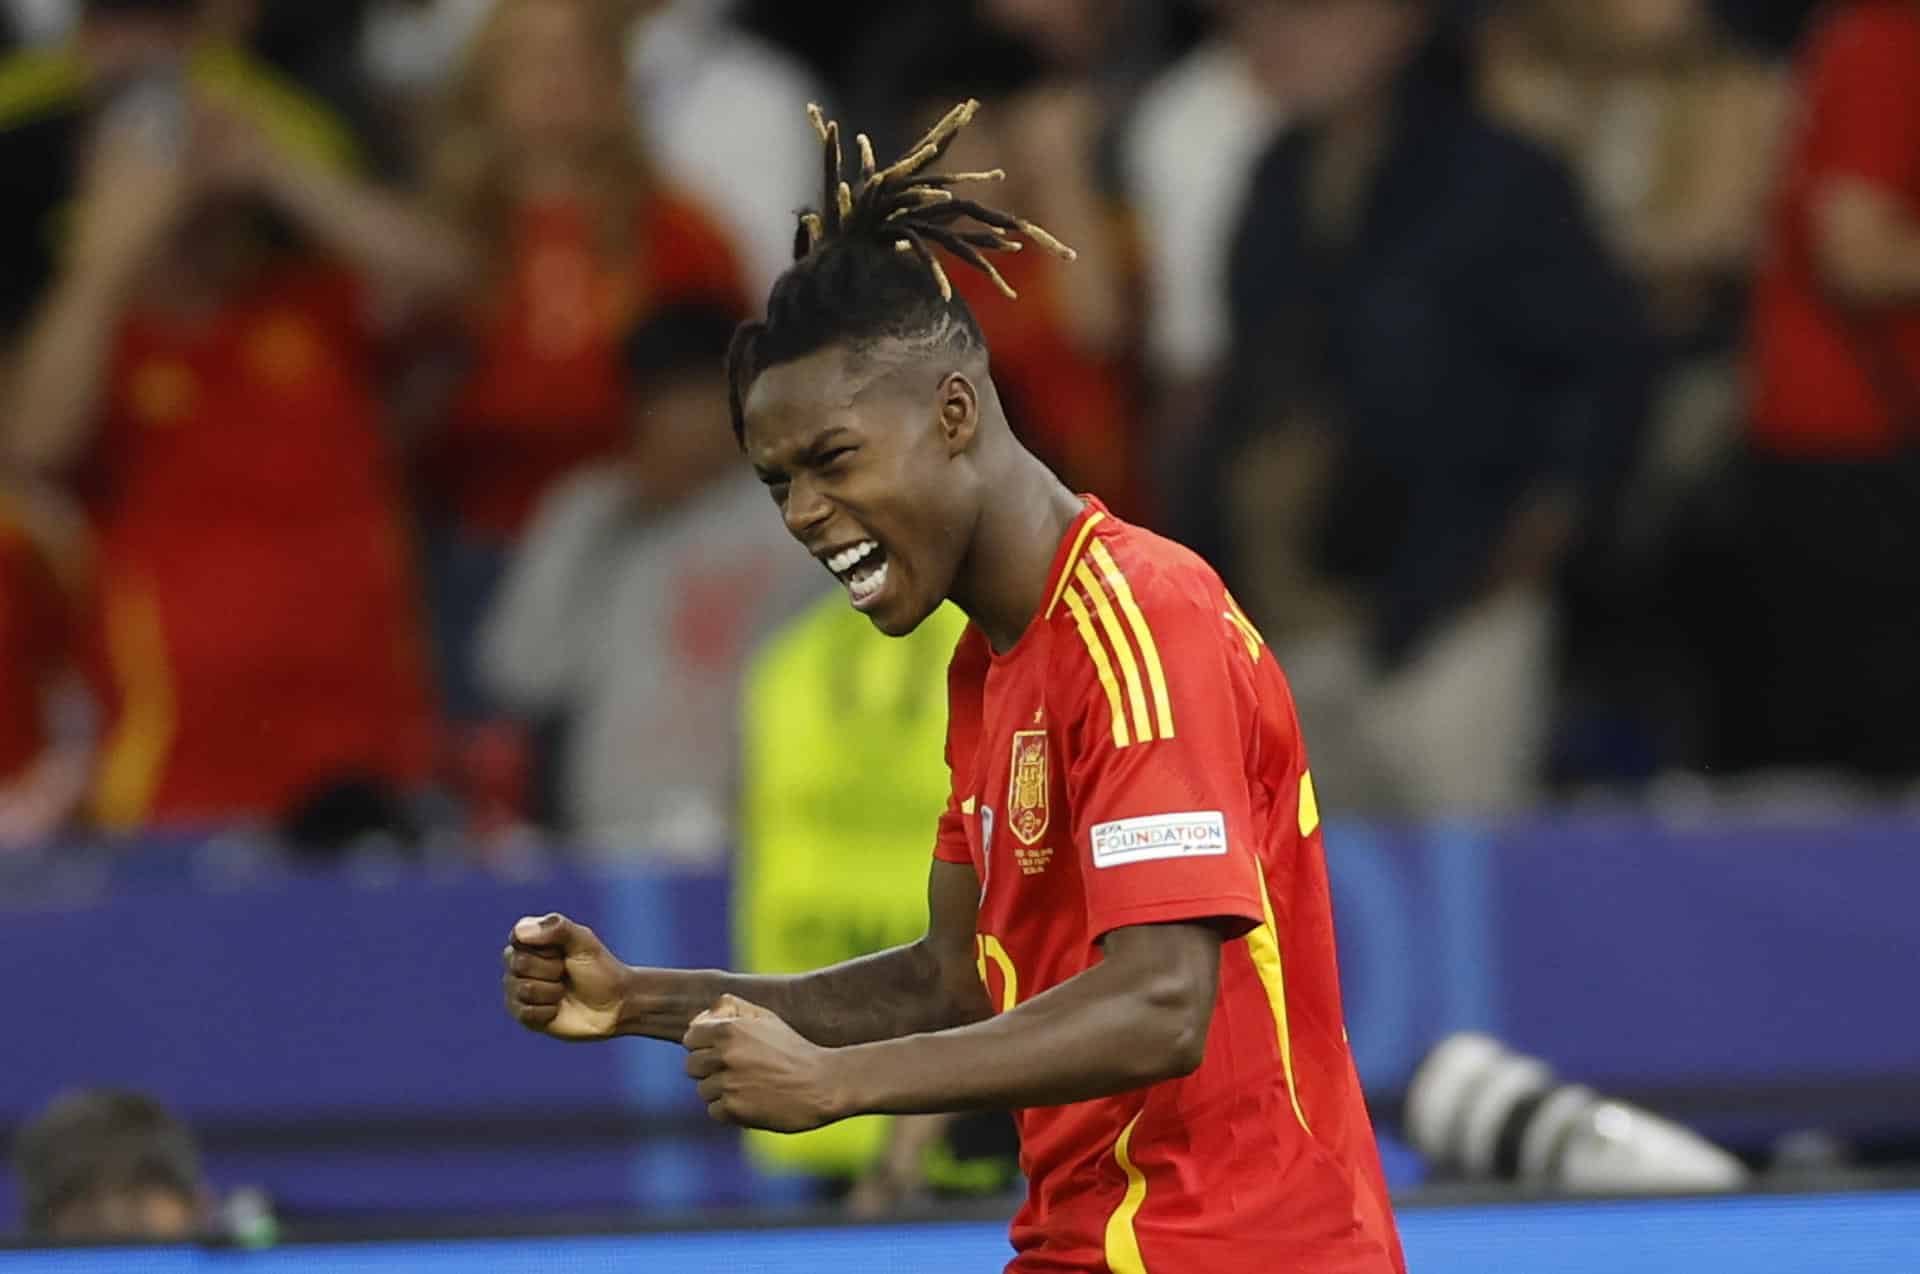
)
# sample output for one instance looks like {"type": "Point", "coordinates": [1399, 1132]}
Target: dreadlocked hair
{"type": "Point", "coordinates": [867, 262]}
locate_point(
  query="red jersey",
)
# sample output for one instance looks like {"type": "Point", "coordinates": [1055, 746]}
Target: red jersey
{"type": "Point", "coordinates": [1135, 759]}
{"type": "Point", "coordinates": [1860, 118]}
{"type": "Point", "coordinates": [258, 623]}
{"type": "Point", "coordinates": [549, 392]}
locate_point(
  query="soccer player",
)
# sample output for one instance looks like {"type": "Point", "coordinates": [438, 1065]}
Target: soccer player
{"type": "Point", "coordinates": [1130, 942]}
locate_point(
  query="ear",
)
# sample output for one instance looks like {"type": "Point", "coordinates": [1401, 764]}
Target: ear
{"type": "Point", "coordinates": [959, 413]}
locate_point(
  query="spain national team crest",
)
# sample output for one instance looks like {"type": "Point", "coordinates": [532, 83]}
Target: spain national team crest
{"type": "Point", "coordinates": [1027, 786]}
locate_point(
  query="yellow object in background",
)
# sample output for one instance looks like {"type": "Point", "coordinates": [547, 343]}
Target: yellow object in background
{"type": "Point", "coordinates": [844, 777]}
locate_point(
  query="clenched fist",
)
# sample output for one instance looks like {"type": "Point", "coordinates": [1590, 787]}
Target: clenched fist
{"type": "Point", "coordinates": [758, 1072]}
{"type": "Point", "coordinates": [562, 981]}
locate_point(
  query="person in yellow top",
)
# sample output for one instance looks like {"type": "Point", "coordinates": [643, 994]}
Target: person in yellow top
{"type": "Point", "coordinates": [843, 733]}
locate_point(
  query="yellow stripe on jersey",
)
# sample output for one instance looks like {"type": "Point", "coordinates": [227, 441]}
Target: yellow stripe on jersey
{"type": "Point", "coordinates": [1142, 634]}
{"type": "Point", "coordinates": [991, 949]}
{"type": "Point", "coordinates": [1309, 804]}
{"type": "Point", "coordinates": [1100, 666]}
{"type": "Point", "coordinates": [1073, 558]}
{"type": "Point", "coordinates": [1263, 944]}
{"type": "Point", "coordinates": [1123, 1245]}
{"type": "Point", "coordinates": [1248, 633]}
{"type": "Point", "coordinates": [135, 754]}
{"type": "Point", "coordinates": [1142, 723]}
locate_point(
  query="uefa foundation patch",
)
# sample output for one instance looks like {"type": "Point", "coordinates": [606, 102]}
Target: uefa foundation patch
{"type": "Point", "coordinates": [1195, 834]}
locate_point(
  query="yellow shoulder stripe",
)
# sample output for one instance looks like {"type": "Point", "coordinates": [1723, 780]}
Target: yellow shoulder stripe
{"type": "Point", "coordinates": [1244, 626]}
{"type": "Point", "coordinates": [1101, 665]}
{"type": "Point", "coordinates": [1142, 723]}
{"type": "Point", "coordinates": [1142, 633]}
{"type": "Point", "coordinates": [1073, 557]}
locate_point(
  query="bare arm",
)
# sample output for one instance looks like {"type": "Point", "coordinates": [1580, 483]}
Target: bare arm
{"type": "Point", "coordinates": [927, 985]}
{"type": "Point", "coordinates": [128, 203]}
{"type": "Point", "coordinates": [1866, 244]}
{"type": "Point", "coordinates": [384, 236]}
{"type": "Point", "coordinates": [1138, 1017]}
{"type": "Point", "coordinates": [562, 981]}
{"type": "Point", "coordinates": [53, 394]}
{"type": "Point", "coordinates": [411, 254]}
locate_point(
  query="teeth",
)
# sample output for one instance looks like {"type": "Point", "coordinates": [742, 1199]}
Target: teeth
{"type": "Point", "coordinates": [863, 585]}
{"type": "Point", "coordinates": [846, 559]}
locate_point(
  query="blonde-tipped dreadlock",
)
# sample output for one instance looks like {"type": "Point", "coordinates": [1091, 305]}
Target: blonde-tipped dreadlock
{"type": "Point", "coordinates": [863, 258]}
{"type": "Point", "coordinates": [917, 210]}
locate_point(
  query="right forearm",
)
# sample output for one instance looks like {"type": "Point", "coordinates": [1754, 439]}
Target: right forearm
{"type": "Point", "coordinates": [53, 397]}
{"type": "Point", "coordinates": [892, 993]}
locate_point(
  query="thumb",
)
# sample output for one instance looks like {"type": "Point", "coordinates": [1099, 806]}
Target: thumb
{"type": "Point", "coordinates": [734, 1006]}
{"type": "Point", "coordinates": [554, 930]}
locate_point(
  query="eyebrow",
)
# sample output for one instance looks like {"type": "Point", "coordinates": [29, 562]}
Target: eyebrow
{"type": "Point", "coordinates": [821, 442]}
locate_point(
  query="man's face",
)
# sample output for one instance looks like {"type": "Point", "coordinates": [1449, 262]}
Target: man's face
{"type": "Point", "coordinates": [143, 1214]}
{"type": "Point", "coordinates": [551, 87]}
{"type": "Point", "coordinates": [871, 475]}
{"type": "Point", "coordinates": [681, 441]}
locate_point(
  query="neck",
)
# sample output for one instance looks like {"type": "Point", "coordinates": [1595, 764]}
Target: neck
{"type": "Point", "coordinates": [1002, 582]}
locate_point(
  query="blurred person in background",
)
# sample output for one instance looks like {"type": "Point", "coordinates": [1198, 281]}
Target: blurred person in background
{"type": "Point", "coordinates": [110, 1167]}
{"type": "Point", "coordinates": [1187, 200]}
{"type": "Point", "coordinates": [830, 866]}
{"type": "Point", "coordinates": [1673, 130]}
{"type": "Point", "coordinates": [635, 600]}
{"type": "Point", "coordinates": [46, 730]}
{"type": "Point", "coordinates": [189, 258]}
{"type": "Point", "coordinates": [706, 98]}
{"type": "Point", "coordinates": [1437, 374]}
{"type": "Point", "coordinates": [1825, 670]}
{"type": "Point", "coordinates": [725, 113]}
{"type": "Point", "coordinates": [581, 240]}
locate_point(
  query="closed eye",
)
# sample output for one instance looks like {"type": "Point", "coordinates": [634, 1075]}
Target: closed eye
{"type": "Point", "coordinates": [831, 459]}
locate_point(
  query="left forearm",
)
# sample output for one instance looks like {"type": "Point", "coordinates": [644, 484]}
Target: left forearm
{"type": "Point", "coordinates": [1089, 1037]}
{"type": "Point", "coordinates": [381, 234]}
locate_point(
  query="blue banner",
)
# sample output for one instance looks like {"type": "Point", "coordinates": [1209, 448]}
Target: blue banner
{"type": "Point", "coordinates": [1634, 953]}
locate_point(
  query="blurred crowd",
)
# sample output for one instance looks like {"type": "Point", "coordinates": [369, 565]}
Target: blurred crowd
{"type": "Point", "coordinates": [1544, 375]}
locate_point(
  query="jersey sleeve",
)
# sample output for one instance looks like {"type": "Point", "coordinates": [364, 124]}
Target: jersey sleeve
{"type": "Point", "coordinates": [966, 676]}
{"type": "Point", "coordinates": [1866, 100]}
{"type": "Point", "coordinates": [1158, 777]}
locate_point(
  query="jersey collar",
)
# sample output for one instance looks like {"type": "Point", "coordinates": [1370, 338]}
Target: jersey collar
{"type": "Point", "coordinates": [1072, 545]}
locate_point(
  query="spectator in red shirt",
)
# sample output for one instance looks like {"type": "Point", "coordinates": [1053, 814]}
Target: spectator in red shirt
{"type": "Point", "coordinates": [1835, 491]}
{"type": "Point", "coordinates": [540, 165]}
{"type": "Point", "coordinates": [209, 391]}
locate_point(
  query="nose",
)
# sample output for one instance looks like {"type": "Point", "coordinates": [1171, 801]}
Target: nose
{"type": "Point", "coordinates": [805, 509]}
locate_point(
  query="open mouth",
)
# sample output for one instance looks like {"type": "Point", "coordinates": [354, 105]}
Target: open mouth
{"type": "Point", "coordinates": [862, 568]}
